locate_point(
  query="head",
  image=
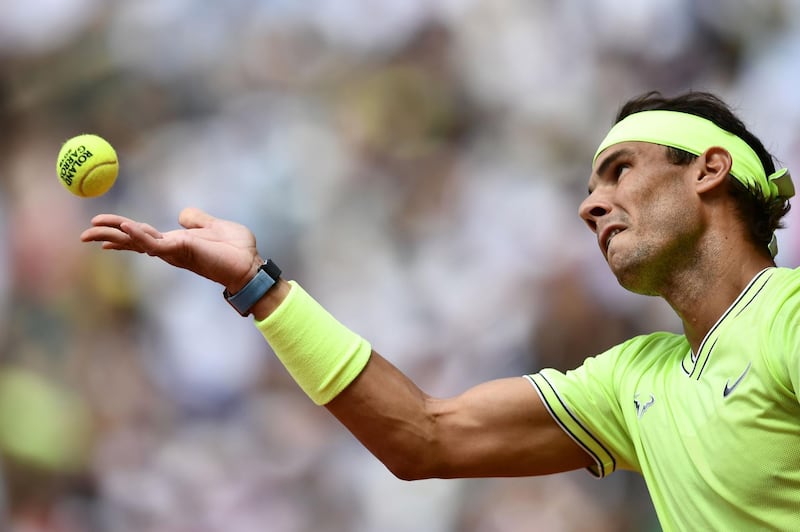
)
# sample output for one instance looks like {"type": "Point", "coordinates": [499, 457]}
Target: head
{"type": "Point", "coordinates": [663, 170]}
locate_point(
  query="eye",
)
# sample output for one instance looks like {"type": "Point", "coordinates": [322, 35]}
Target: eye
{"type": "Point", "coordinates": [620, 169]}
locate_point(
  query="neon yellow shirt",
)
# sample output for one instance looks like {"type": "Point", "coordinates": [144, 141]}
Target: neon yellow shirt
{"type": "Point", "coordinates": [716, 436]}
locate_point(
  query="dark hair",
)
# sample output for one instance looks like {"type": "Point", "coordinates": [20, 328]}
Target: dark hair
{"type": "Point", "coordinates": [763, 216]}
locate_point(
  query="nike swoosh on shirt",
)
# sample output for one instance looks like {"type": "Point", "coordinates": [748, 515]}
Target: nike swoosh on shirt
{"type": "Point", "coordinates": [730, 387]}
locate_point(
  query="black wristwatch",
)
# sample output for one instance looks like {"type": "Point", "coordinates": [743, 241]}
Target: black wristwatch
{"type": "Point", "coordinates": [243, 300]}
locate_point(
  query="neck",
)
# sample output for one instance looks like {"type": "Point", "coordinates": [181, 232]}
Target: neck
{"type": "Point", "coordinates": [702, 295]}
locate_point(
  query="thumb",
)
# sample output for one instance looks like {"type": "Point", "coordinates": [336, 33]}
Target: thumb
{"type": "Point", "coordinates": [194, 218]}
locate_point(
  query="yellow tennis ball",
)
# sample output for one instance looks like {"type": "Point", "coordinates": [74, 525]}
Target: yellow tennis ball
{"type": "Point", "coordinates": [87, 166]}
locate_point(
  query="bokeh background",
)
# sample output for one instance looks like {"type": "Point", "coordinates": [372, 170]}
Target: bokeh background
{"type": "Point", "coordinates": [415, 164]}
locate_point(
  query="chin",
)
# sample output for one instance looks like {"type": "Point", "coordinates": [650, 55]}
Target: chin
{"type": "Point", "coordinates": [637, 286]}
{"type": "Point", "coordinates": [632, 275]}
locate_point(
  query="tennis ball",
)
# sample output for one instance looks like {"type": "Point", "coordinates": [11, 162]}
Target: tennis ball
{"type": "Point", "coordinates": [87, 166]}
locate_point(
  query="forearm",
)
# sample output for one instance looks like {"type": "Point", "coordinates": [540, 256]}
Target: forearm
{"type": "Point", "coordinates": [384, 409]}
{"type": "Point", "coordinates": [498, 428]}
{"type": "Point", "coordinates": [388, 414]}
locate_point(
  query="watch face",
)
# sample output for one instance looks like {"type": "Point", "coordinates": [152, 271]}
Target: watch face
{"type": "Point", "coordinates": [272, 269]}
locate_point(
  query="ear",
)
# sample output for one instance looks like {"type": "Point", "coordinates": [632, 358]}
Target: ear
{"type": "Point", "coordinates": [713, 168]}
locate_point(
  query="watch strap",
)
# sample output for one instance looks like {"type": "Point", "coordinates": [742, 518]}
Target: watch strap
{"type": "Point", "coordinates": [264, 279]}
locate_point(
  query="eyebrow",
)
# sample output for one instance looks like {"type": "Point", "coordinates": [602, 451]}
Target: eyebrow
{"type": "Point", "coordinates": [608, 161]}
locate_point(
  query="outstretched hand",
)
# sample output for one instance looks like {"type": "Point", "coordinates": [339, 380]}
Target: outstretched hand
{"type": "Point", "coordinates": [220, 250]}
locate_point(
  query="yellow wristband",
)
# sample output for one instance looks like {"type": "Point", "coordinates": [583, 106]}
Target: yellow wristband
{"type": "Point", "coordinates": [322, 355]}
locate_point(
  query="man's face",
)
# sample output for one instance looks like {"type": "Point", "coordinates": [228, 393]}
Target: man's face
{"type": "Point", "coordinates": [645, 214]}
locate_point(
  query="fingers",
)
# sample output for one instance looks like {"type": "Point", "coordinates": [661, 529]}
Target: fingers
{"type": "Point", "coordinates": [142, 237]}
{"type": "Point", "coordinates": [143, 227]}
{"type": "Point", "coordinates": [116, 221]}
{"type": "Point", "coordinates": [105, 234]}
{"type": "Point", "coordinates": [109, 220]}
{"type": "Point", "coordinates": [193, 218]}
{"type": "Point", "coordinates": [118, 232]}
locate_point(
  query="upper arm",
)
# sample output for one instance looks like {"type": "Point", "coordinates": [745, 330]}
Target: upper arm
{"type": "Point", "coordinates": [498, 428]}
{"type": "Point", "coordinates": [502, 428]}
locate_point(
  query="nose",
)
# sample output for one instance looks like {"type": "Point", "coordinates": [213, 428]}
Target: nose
{"type": "Point", "coordinates": [593, 208]}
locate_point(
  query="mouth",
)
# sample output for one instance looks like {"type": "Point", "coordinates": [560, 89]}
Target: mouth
{"type": "Point", "coordinates": [607, 235]}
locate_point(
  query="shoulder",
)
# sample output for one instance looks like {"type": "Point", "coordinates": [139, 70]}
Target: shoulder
{"type": "Point", "coordinates": [632, 359]}
{"type": "Point", "coordinates": [655, 344]}
{"type": "Point", "coordinates": [771, 301]}
{"type": "Point", "coordinates": [654, 339]}
{"type": "Point", "coordinates": [637, 356]}
{"type": "Point", "coordinates": [782, 298]}
{"type": "Point", "coordinates": [786, 280]}
{"type": "Point", "coordinates": [783, 304]}
{"type": "Point", "coordinates": [771, 325]}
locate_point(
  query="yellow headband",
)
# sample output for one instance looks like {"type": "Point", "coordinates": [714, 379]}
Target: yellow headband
{"type": "Point", "coordinates": [695, 135]}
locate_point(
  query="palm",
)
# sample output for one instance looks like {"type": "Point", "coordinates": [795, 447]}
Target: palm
{"type": "Point", "coordinates": [217, 252]}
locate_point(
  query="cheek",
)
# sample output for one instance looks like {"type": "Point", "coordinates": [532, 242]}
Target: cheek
{"type": "Point", "coordinates": [667, 209]}
{"type": "Point", "coordinates": [671, 216]}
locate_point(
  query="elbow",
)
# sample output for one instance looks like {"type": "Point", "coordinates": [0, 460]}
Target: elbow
{"type": "Point", "coordinates": [405, 474]}
{"type": "Point", "coordinates": [408, 468]}
{"type": "Point", "coordinates": [419, 452]}
{"type": "Point", "coordinates": [419, 461]}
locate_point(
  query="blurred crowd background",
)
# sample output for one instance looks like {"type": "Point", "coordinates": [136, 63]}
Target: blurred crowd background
{"type": "Point", "coordinates": [416, 164]}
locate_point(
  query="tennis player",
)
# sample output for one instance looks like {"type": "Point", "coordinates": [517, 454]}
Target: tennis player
{"type": "Point", "coordinates": [684, 201]}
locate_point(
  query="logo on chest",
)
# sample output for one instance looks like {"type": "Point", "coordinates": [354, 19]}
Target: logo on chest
{"type": "Point", "coordinates": [730, 387]}
{"type": "Point", "coordinates": [643, 405]}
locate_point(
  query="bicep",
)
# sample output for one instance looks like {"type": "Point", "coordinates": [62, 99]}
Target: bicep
{"type": "Point", "coordinates": [498, 428]}
{"type": "Point", "coordinates": [502, 428]}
